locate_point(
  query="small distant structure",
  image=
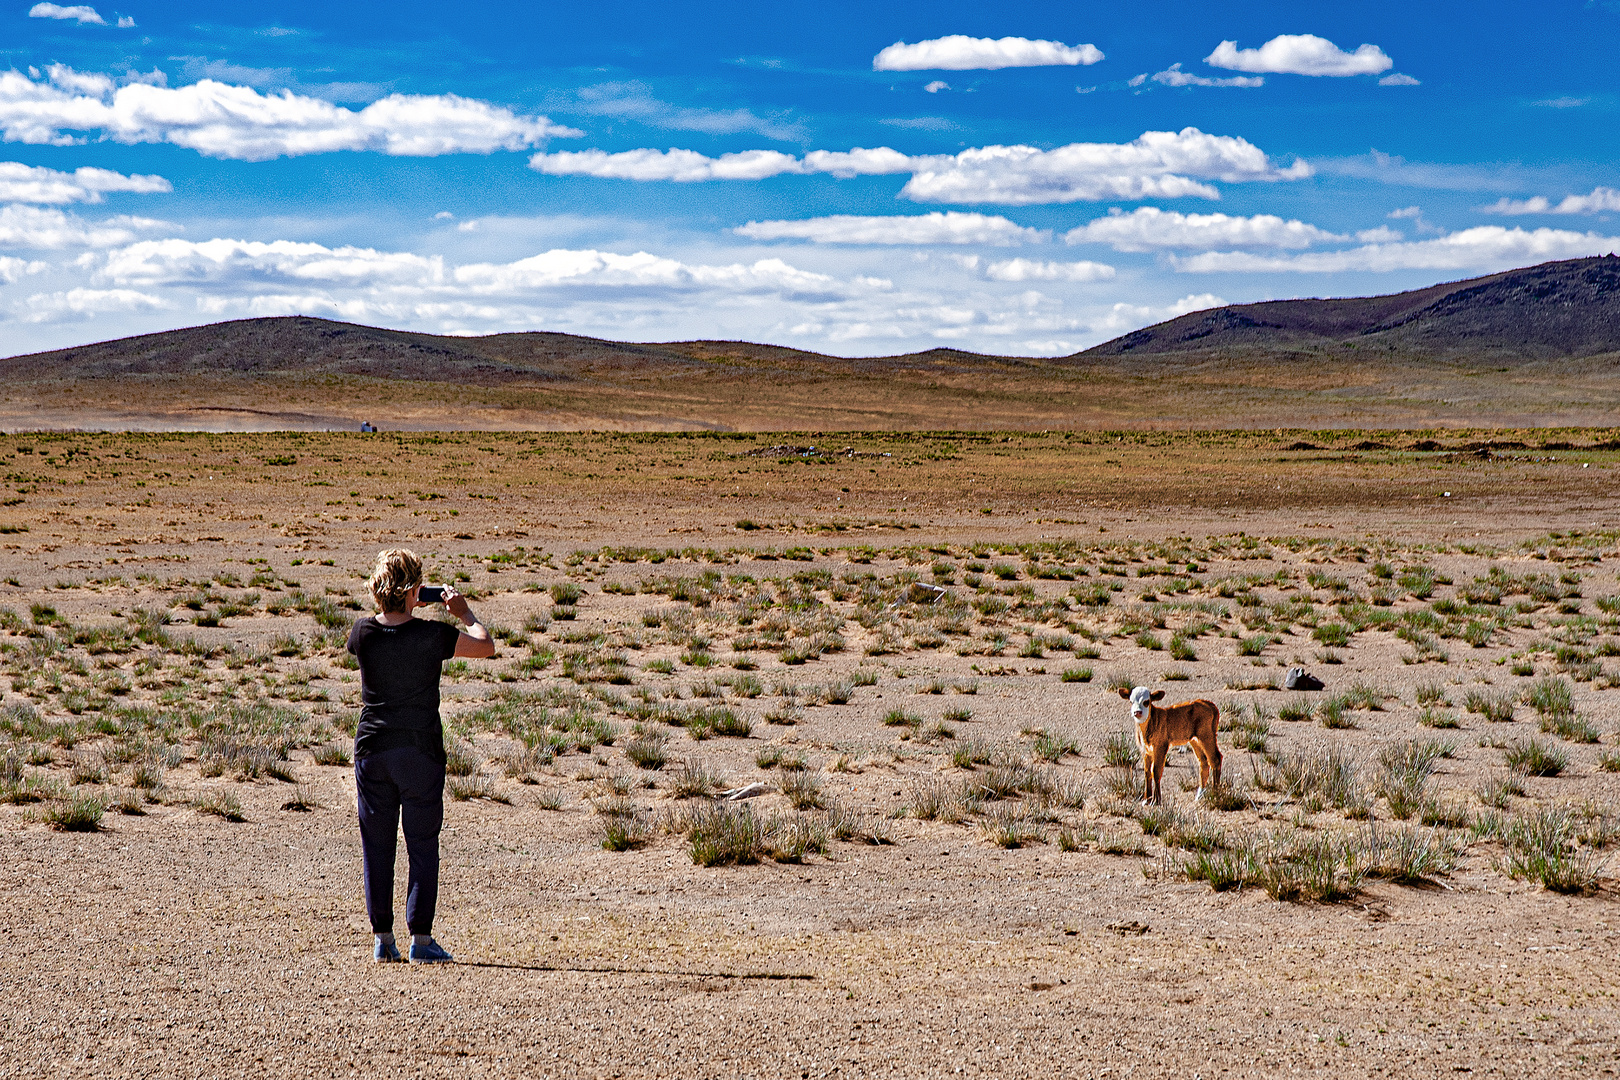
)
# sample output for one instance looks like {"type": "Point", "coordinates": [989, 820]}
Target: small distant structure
{"type": "Point", "coordinates": [367, 425]}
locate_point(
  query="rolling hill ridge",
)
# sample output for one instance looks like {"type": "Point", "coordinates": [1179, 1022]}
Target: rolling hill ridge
{"type": "Point", "coordinates": [1529, 347]}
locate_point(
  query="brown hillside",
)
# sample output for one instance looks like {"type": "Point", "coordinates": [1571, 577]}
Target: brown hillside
{"type": "Point", "coordinates": [1524, 348]}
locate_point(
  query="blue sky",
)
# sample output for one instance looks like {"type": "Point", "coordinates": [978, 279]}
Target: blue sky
{"type": "Point", "coordinates": [858, 179]}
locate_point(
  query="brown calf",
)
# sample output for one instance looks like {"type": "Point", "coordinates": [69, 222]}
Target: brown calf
{"type": "Point", "coordinates": [1158, 728]}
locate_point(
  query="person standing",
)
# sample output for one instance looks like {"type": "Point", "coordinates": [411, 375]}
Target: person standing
{"type": "Point", "coordinates": [399, 745]}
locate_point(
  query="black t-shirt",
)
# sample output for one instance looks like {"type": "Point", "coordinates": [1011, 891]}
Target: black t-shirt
{"type": "Point", "coordinates": [399, 684]}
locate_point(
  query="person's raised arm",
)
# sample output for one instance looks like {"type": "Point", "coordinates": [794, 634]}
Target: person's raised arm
{"type": "Point", "coordinates": [474, 642]}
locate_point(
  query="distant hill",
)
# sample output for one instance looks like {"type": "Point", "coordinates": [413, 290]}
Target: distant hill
{"type": "Point", "coordinates": [1532, 347]}
{"type": "Point", "coordinates": [1555, 310]}
{"type": "Point", "coordinates": [304, 346]}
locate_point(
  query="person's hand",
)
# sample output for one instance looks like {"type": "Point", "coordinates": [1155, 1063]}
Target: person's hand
{"type": "Point", "coordinates": [457, 605]}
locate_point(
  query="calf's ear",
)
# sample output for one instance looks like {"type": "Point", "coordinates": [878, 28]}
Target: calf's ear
{"type": "Point", "coordinates": [1124, 693]}
{"type": "Point", "coordinates": [1156, 695]}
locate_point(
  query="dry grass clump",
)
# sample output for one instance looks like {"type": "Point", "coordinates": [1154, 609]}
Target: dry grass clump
{"type": "Point", "coordinates": [75, 813]}
{"type": "Point", "coordinates": [803, 790]}
{"type": "Point", "coordinates": [1404, 771]}
{"type": "Point", "coordinates": [220, 804]}
{"type": "Point", "coordinates": [332, 753]}
{"type": "Point", "coordinates": [1497, 708]}
{"type": "Point", "coordinates": [725, 834]}
{"type": "Point", "coordinates": [647, 751]}
{"type": "Point", "coordinates": [1290, 865]}
{"type": "Point", "coordinates": [1544, 846]}
{"type": "Point", "coordinates": [1119, 750]}
{"type": "Point", "coordinates": [1534, 758]}
{"type": "Point", "coordinates": [467, 788]}
{"type": "Point", "coordinates": [1010, 826]}
{"type": "Point", "coordinates": [847, 823]}
{"type": "Point", "coordinates": [694, 779]}
{"type": "Point", "coordinates": [1315, 778]}
{"type": "Point", "coordinates": [621, 825]}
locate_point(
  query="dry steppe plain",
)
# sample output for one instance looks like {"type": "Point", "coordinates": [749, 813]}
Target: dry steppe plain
{"type": "Point", "coordinates": [911, 641]}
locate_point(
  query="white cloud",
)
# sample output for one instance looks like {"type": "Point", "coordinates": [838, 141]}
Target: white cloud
{"type": "Point", "coordinates": [922, 123]}
{"type": "Point", "coordinates": [1124, 318]}
{"type": "Point", "coordinates": [80, 13]}
{"type": "Point", "coordinates": [838, 303]}
{"type": "Point", "coordinates": [1601, 200]}
{"type": "Point", "coordinates": [881, 161]}
{"type": "Point", "coordinates": [84, 303]}
{"type": "Point", "coordinates": [251, 265]}
{"type": "Point", "coordinates": [680, 166]}
{"type": "Point", "coordinates": [635, 101]}
{"type": "Point", "coordinates": [1484, 247]}
{"type": "Point", "coordinates": [1149, 227]}
{"type": "Point", "coordinates": [1158, 164]}
{"type": "Point", "coordinates": [1393, 169]}
{"type": "Point", "coordinates": [125, 22]}
{"type": "Point", "coordinates": [1036, 270]}
{"type": "Point", "coordinates": [599, 268]}
{"type": "Point", "coordinates": [1563, 102]}
{"type": "Point", "coordinates": [12, 268]}
{"type": "Point", "coordinates": [226, 121]}
{"type": "Point", "coordinates": [170, 260]}
{"type": "Point", "coordinates": [1407, 212]}
{"type": "Point", "coordinates": [1398, 79]}
{"type": "Point", "coordinates": [1174, 76]}
{"type": "Point", "coordinates": [936, 86]}
{"type": "Point", "coordinates": [950, 227]}
{"type": "Point", "coordinates": [37, 184]}
{"type": "Point", "coordinates": [33, 228]}
{"type": "Point", "coordinates": [1300, 54]}
{"type": "Point", "coordinates": [958, 52]}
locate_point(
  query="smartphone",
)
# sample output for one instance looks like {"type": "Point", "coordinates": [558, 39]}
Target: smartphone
{"type": "Point", "coordinates": [431, 594]}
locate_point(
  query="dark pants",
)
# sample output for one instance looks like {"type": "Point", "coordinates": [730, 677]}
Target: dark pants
{"type": "Point", "coordinates": [394, 784]}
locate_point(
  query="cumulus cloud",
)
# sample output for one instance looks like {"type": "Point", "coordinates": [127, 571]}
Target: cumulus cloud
{"type": "Point", "coordinates": [1398, 79]}
{"type": "Point", "coordinates": [1148, 227]}
{"type": "Point", "coordinates": [1036, 270]}
{"type": "Point", "coordinates": [250, 263]}
{"type": "Point", "coordinates": [35, 228]}
{"type": "Point", "coordinates": [21, 183]}
{"type": "Point", "coordinates": [1601, 200]}
{"type": "Point", "coordinates": [1174, 76]}
{"type": "Point", "coordinates": [1124, 318]}
{"type": "Point", "coordinates": [1158, 164]}
{"type": "Point", "coordinates": [12, 268]}
{"type": "Point", "coordinates": [950, 227]}
{"type": "Point", "coordinates": [82, 303]}
{"type": "Point", "coordinates": [958, 52]}
{"type": "Point", "coordinates": [680, 166]}
{"type": "Point", "coordinates": [79, 13]}
{"type": "Point", "coordinates": [226, 121]}
{"type": "Point", "coordinates": [1485, 247]}
{"type": "Point", "coordinates": [1300, 54]}
{"type": "Point", "coordinates": [937, 85]}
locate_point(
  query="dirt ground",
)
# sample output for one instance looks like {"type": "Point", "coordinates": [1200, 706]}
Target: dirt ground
{"type": "Point", "coordinates": [928, 626]}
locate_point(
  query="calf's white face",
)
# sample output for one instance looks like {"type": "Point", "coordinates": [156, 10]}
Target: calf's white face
{"type": "Point", "coordinates": [1139, 699]}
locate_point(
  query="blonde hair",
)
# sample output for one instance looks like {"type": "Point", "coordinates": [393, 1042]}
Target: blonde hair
{"type": "Point", "coordinates": [397, 572]}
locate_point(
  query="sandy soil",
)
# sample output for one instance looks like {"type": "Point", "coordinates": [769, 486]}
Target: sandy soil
{"type": "Point", "coordinates": [178, 943]}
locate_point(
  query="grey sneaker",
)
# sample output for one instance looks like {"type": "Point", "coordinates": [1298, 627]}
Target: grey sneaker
{"type": "Point", "coordinates": [386, 952]}
{"type": "Point", "coordinates": [431, 953]}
